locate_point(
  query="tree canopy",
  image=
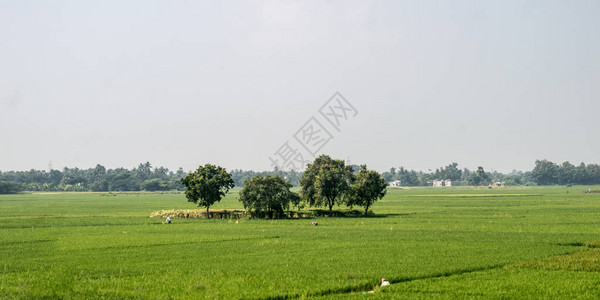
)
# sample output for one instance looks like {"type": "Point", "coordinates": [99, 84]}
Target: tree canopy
{"type": "Point", "coordinates": [268, 195]}
{"type": "Point", "coordinates": [545, 172]}
{"type": "Point", "coordinates": [207, 185]}
{"type": "Point", "coordinates": [478, 177]}
{"type": "Point", "coordinates": [368, 187]}
{"type": "Point", "coordinates": [7, 187]}
{"type": "Point", "coordinates": [325, 182]}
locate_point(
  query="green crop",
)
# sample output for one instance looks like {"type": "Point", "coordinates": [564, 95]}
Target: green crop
{"type": "Point", "coordinates": [428, 242]}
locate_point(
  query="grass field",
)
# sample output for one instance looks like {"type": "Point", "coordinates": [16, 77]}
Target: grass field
{"type": "Point", "coordinates": [529, 242]}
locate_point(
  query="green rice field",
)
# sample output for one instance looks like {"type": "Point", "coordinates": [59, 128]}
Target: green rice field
{"type": "Point", "coordinates": [456, 242]}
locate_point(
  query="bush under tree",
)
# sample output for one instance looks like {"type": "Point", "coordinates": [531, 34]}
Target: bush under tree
{"type": "Point", "coordinates": [268, 195]}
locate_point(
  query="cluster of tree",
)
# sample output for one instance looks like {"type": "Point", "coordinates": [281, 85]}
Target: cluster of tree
{"type": "Point", "coordinates": [326, 182]}
{"type": "Point", "coordinates": [546, 173]}
{"type": "Point", "coordinates": [143, 177]}
{"type": "Point", "coordinates": [458, 176]}
{"type": "Point", "coordinates": [240, 176]}
{"type": "Point", "coordinates": [8, 187]}
{"type": "Point", "coordinates": [268, 196]}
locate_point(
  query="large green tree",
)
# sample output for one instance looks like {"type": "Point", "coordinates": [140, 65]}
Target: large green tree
{"type": "Point", "coordinates": [368, 187]}
{"type": "Point", "coordinates": [268, 195]}
{"type": "Point", "coordinates": [9, 187]}
{"type": "Point", "coordinates": [545, 172]}
{"type": "Point", "coordinates": [478, 177]}
{"type": "Point", "coordinates": [207, 185]}
{"type": "Point", "coordinates": [326, 181]}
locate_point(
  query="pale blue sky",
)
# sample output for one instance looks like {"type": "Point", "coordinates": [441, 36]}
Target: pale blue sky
{"type": "Point", "coordinates": [183, 83]}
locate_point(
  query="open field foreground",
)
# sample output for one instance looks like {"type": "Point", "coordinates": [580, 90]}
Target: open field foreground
{"type": "Point", "coordinates": [531, 242]}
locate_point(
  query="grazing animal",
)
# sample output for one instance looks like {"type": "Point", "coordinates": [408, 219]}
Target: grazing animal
{"type": "Point", "coordinates": [384, 282]}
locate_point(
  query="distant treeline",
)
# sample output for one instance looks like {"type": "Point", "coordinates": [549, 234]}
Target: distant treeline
{"type": "Point", "coordinates": [457, 176]}
{"type": "Point", "coordinates": [99, 179]}
{"type": "Point", "coordinates": [548, 173]}
{"type": "Point", "coordinates": [146, 177]}
{"type": "Point", "coordinates": [544, 173]}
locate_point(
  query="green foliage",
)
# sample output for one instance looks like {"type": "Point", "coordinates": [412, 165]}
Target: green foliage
{"type": "Point", "coordinates": [100, 179]}
{"type": "Point", "coordinates": [497, 283]}
{"type": "Point", "coordinates": [122, 180]}
{"type": "Point", "coordinates": [326, 181]}
{"type": "Point", "coordinates": [155, 184]}
{"type": "Point", "coordinates": [207, 185]}
{"type": "Point", "coordinates": [97, 179]}
{"type": "Point", "coordinates": [8, 187]}
{"type": "Point", "coordinates": [581, 261]}
{"type": "Point", "coordinates": [241, 176]}
{"type": "Point", "coordinates": [548, 173]}
{"type": "Point", "coordinates": [268, 196]}
{"type": "Point", "coordinates": [545, 172]}
{"type": "Point", "coordinates": [368, 187]}
{"type": "Point", "coordinates": [479, 177]}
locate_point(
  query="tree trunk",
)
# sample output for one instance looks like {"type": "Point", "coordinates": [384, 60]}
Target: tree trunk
{"type": "Point", "coordinates": [207, 214]}
{"type": "Point", "coordinates": [366, 210]}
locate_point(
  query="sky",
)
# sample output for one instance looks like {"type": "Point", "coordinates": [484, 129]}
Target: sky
{"type": "Point", "coordinates": [242, 84]}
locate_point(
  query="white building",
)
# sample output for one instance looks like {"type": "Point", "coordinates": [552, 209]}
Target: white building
{"type": "Point", "coordinates": [446, 182]}
{"type": "Point", "coordinates": [395, 183]}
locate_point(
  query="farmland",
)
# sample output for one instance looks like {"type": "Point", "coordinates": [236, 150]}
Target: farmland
{"type": "Point", "coordinates": [429, 242]}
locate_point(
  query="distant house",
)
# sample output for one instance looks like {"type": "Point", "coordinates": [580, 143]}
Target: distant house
{"type": "Point", "coordinates": [395, 183]}
{"type": "Point", "coordinates": [497, 184]}
{"type": "Point", "coordinates": [446, 182]}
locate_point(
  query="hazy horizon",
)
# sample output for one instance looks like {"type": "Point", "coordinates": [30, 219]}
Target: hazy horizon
{"type": "Point", "coordinates": [181, 84]}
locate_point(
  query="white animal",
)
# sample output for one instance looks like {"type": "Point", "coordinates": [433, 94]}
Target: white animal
{"type": "Point", "coordinates": [384, 282]}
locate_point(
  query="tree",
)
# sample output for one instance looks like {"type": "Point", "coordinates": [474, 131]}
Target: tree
{"type": "Point", "coordinates": [207, 185]}
{"type": "Point", "coordinates": [325, 182]}
{"type": "Point", "coordinates": [452, 172]}
{"type": "Point", "coordinates": [566, 173]}
{"type": "Point", "coordinates": [407, 178]}
{"type": "Point", "coordinates": [580, 174]}
{"type": "Point", "coordinates": [8, 187]}
{"type": "Point", "coordinates": [545, 172]}
{"type": "Point", "coordinates": [143, 171]}
{"type": "Point", "coordinates": [73, 176]}
{"type": "Point", "coordinates": [97, 179]}
{"type": "Point", "coordinates": [155, 184]}
{"type": "Point", "coordinates": [122, 179]}
{"type": "Point", "coordinates": [268, 194]}
{"type": "Point", "coordinates": [368, 187]}
{"type": "Point", "coordinates": [478, 177]}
